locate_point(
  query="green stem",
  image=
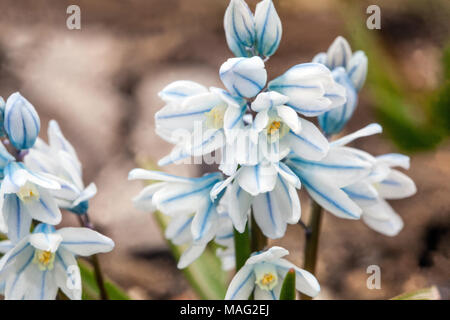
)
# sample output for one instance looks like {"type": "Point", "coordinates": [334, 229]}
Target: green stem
{"type": "Point", "coordinates": [259, 240]}
{"type": "Point", "coordinates": [242, 248]}
{"type": "Point", "coordinates": [312, 240]}
{"type": "Point", "coordinates": [95, 261]}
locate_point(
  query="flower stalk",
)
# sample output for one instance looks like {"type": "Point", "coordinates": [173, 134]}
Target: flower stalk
{"type": "Point", "coordinates": [259, 240]}
{"type": "Point", "coordinates": [312, 240]}
{"type": "Point", "coordinates": [99, 278]}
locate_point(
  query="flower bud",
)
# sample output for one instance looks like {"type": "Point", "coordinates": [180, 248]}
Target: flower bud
{"type": "Point", "coordinates": [22, 123]}
{"type": "Point", "coordinates": [239, 28]}
{"type": "Point", "coordinates": [244, 77]}
{"type": "Point", "coordinates": [357, 69]}
{"type": "Point", "coordinates": [339, 53]}
{"type": "Point", "coordinates": [268, 28]}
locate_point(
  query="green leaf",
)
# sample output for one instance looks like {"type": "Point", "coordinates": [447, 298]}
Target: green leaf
{"type": "Point", "coordinates": [242, 247]}
{"type": "Point", "coordinates": [431, 293]}
{"type": "Point", "coordinates": [205, 275]}
{"type": "Point", "coordinates": [288, 288]}
{"type": "Point", "coordinates": [90, 288]}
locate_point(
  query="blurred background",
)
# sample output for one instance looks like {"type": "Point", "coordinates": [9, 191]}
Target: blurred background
{"type": "Point", "coordinates": [101, 82]}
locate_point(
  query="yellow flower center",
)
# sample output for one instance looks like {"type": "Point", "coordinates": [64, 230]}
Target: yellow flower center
{"type": "Point", "coordinates": [266, 276]}
{"type": "Point", "coordinates": [44, 259]}
{"type": "Point", "coordinates": [214, 118]}
{"type": "Point", "coordinates": [273, 127]}
{"type": "Point", "coordinates": [28, 192]}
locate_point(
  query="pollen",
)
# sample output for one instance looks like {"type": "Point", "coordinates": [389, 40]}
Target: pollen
{"type": "Point", "coordinates": [267, 279]}
{"type": "Point", "coordinates": [273, 127]}
{"type": "Point", "coordinates": [44, 259]}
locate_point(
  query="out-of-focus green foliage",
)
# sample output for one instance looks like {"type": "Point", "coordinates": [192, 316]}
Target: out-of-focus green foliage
{"type": "Point", "coordinates": [90, 288]}
{"type": "Point", "coordinates": [431, 293]}
{"type": "Point", "coordinates": [414, 121]}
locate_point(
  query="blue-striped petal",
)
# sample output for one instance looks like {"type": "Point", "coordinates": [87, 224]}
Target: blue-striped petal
{"type": "Point", "coordinates": [204, 223]}
{"type": "Point", "coordinates": [357, 69]}
{"type": "Point", "coordinates": [339, 53]}
{"type": "Point", "coordinates": [84, 241]}
{"type": "Point", "coordinates": [17, 218]}
{"type": "Point", "coordinates": [44, 209]}
{"type": "Point", "coordinates": [257, 179]}
{"type": "Point", "coordinates": [368, 130]}
{"type": "Point", "coordinates": [267, 211]}
{"type": "Point", "coordinates": [242, 284]}
{"type": "Point", "coordinates": [177, 91]}
{"type": "Point", "coordinates": [239, 28]}
{"type": "Point", "coordinates": [310, 88]}
{"type": "Point", "coordinates": [268, 28]}
{"type": "Point", "coordinates": [333, 121]}
{"type": "Point", "coordinates": [22, 123]}
{"type": "Point", "coordinates": [244, 77]}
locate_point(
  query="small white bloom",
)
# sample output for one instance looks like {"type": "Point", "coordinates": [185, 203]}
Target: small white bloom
{"type": "Point", "coordinates": [44, 261]}
{"type": "Point", "coordinates": [21, 122]}
{"type": "Point", "coordinates": [24, 195]}
{"type": "Point", "coordinates": [311, 89]}
{"type": "Point", "coordinates": [239, 28]}
{"type": "Point", "coordinates": [268, 28]}
{"type": "Point", "coordinates": [263, 274]}
{"type": "Point", "coordinates": [59, 159]}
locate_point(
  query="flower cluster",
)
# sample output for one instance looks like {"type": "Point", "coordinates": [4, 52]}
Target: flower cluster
{"type": "Point", "coordinates": [37, 181]}
{"type": "Point", "coordinates": [266, 151]}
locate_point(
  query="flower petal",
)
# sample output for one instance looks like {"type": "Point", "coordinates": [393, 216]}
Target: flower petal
{"type": "Point", "coordinates": [44, 238]}
{"type": "Point", "coordinates": [242, 284]}
{"type": "Point", "coordinates": [270, 255]}
{"type": "Point", "coordinates": [144, 200]}
{"type": "Point", "coordinates": [44, 209]}
{"type": "Point", "coordinates": [239, 28]}
{"type": "Point", "coordinates": [67, 274]}
{"type": "Point", "coordinates": [177, 91]}
{"type": "Point", "coordinates": [179, 229]}
{"type": "Point", "coordinates": [190, 255]}
{"type": "Point", "coordinates": [268, 215]}
{"type": "Point", "coordinates": [339, 53]}
{"type": "Point", "coordinates": [357, 69]}
{"type": "Point", "coordinates": [84, 241]}
{"type": "Point", "coordinates": [244, 77]}
{"type": "Point", "coordinates": [239, 202]}
{"type": "Point", "coordinates": [368, 130]}
{"type": "Point", "coordinates": [267, 100]}
{"type": "Point", "coordinates": [204, 223]}
{"type": "Point", "coordinates": [397, 185]}
{"type": "Point", "coordinates": [257, 179]}
{"type": "Point", "coordinates": [268, 28]}
{"type": "Point", "coordinates": [309, 143]}
{"type": "Point", "coordinates": [17, 218]}
{"type": "Point", "coordinates": [390, 223]}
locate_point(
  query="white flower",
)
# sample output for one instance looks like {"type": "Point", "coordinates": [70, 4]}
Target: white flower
{"type": "Point", "coordinates": [271, 189]}
{"type": "Point", "coordinates": [383, 183]}
{"type": "Point", "coordinates": [44, 261]}
{"type": "Point", "coordinates": [21, 122]}
{"type": "Point", "coordinates": [181, 197]}
{"type": "Point", "coordinates": [244, 77]}
{"type": "Point", "coordinates": [325, 179]}
{"type": "Point", "coordinates": [310, 88]}
{"type": "Point", "coordinates": [263, 274]}
{"type": "Point", "coordinates": [24, 195]}
{"type": "Point", "coordinates": [196, 121]}
{"type": "Point", "coordinates": [59, 159]}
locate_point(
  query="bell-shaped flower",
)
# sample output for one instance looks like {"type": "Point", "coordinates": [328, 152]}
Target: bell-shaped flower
{"type": "Point", "coordinates": [24, 195]}
{"type": "Point", "coordinates": [270, 189]}
{"type": "Point", "coordinates": [21, 122]}
{"type": "Point", "coordinates": [383, 183]}
{"type": "Point", "coordinates": [263, 275]}
{"type": "Point", "coordinates": [350, 71]}
{"type": "Point", "coordinates": [178, 196]}
{"type": "Point", "coordinates": [44, 261]}
{"type": "Point", "coordinates": [310, 88]}
{"type": "Point", "coordinates": [282, 130]}
{"type": "Point", "coordinates": [325, 179]}
{"type": "Point", "coordinates": [60, 159]}
{"type": "Point", "coordinates": [196, 121]}
{"type": "Point", "coordinates": [244, 77]}
{"type": "Point", "coordinates": [268, 28]}
{"type": "Point", "coordinates": [239, 28]}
